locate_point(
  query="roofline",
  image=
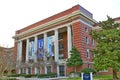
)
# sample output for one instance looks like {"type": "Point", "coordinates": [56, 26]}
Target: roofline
{"type": "Point", "coordinates": [58, 15]}
{"type": "Point", "coordinates": [70, 13]}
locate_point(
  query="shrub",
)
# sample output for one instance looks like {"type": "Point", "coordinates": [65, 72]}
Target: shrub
{"type": "Point", "coordinates": [47, 75]}
{"type": "Point", "coordinates": [88, 70]}
{"type": "Point", "coordinates": [13, 75]}
{"type": "Point", "coordinates": [33, 75]}
{"type": "Point", "coordinates": [8, 79]}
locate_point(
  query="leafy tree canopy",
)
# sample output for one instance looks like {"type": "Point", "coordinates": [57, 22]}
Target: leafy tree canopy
{"type": "Point", "coordinates": [75, 59]}
{"type": "Point", "coordinates": [107, 52]}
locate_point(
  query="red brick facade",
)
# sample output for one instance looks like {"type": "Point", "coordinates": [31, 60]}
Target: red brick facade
{"type": "Point", "coordinates": [79, 19]}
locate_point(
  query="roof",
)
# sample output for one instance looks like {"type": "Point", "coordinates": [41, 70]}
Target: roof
{"type": "Point", "coordinates": [61, 14]}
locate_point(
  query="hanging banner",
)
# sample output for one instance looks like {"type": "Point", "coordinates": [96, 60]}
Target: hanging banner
{"type": "Point", "coordinates": [50, 46]}
{"type": "Point", "coordinates": [40, 48]}
{"type": "Point", "coordinates": [31, 50]}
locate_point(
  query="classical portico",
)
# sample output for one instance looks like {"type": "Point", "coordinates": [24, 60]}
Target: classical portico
{"type": "Point", "coordinates": [57, 33]}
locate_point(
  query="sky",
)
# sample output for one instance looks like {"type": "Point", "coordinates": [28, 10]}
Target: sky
{"type": "Point", "coordinates": [17, 14]}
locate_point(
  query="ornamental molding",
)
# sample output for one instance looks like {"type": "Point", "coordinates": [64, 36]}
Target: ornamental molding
{"type": "Point", "coordinates": [54, 22]}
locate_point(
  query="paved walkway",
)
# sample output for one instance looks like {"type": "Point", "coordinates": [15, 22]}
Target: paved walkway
{"type": "Point", "coordinates": [56, 78]}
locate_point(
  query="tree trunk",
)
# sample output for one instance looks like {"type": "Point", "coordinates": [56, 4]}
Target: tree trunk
{"type": "Point", "coordinates": [115, 75]}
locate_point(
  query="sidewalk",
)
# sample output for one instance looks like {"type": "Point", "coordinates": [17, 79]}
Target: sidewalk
{"type": "Point", "coordinates": [56, 78]}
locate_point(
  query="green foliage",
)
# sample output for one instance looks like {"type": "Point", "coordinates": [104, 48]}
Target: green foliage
{"type": "Point", "coordinates": [109, 24]}
{"type": "Point", "coordinates": [13, 75]}
{"type": "Point", "coordinates": [75, 59]}
{"type": "Point", "coordinates": [49, 75]}
{"type": "Point", "coordinates": [88, 70]}
{"type": "Point", "coordinates": [107, 52]}
{"type": "Point", "coordinates": [8, 79]}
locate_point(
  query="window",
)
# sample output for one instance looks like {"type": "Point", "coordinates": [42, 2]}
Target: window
{"type": "Point", "coordinates": [61, 46]}
{"type": "Point", "coordinates": [60, 36]}
{"type": "Point", "coordinates": [89, 65]}
{"type": "Point", "coordinates": [61, 56]}
{"type": "Point", "coordinates": [87, 40]}
{"type": "Point", "coordinates": [88, 53]}
{"type": "Point", "coordinates": [21, 71]}
{"type": "Point", "coordinates": [38, 70]}
{"type": "Point", "coordinates": [29, 70]}
{"type": "Point", "coordinates": [86, 29]}
{"type": "Point", "coordinates": [93, 42]}
{"type": "Point", "coordinates": [61, 70]}
{"type": "Point", "coordinates": [104, 70]}
{"type": "Point", "coordinates": [49, 69]}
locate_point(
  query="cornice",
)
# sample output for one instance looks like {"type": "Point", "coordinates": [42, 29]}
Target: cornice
{"type": "Point", "coordinates": [54, 22]}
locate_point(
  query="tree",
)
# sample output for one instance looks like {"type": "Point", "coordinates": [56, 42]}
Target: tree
{"type": "Point", "coordinates": [75, 59]}
{"type": "Point", "coordinates": [107, 51]}
{"type": "Point", "coordinates": [7, 62]}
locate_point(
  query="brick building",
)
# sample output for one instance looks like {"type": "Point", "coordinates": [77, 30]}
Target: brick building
{"type": "Point", "coordinates": [44, 46]}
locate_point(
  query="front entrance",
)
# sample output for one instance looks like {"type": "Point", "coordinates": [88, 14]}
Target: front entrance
{"type": "Point", "coordinates": [61, 70]}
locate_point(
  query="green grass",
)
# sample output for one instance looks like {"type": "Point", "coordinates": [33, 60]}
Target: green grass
{"type": "Point", "coordinates": [106, 77]}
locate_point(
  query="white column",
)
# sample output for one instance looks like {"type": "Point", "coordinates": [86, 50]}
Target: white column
{"type": "Point", "coordinates": [56, 46]}
{"type": "Point", "coordinates": [58, 70]}
{"type": "Point", "coordinates": [69, 39]}
{"type": "Point", "coordinates": [82, 76]}
{"type": "Point", "coordinates": [27, 50]}
{"type": "Point", "coordinates": [27, 53]}
{"type": "Point", "coordinates": [20, 52]}
{"type": "Point", "coordinates": [45, 44]}
{"type": "Point", "coordinates": [91, 76]}
{"type": "Point", "coordinates": [45, 49]}
{"type": "Point", "coordinates": [35, 48]}
{"type": "Point", "coordinates": [35, 51]}
{"type": "Point", "coordinates": [57, 50]}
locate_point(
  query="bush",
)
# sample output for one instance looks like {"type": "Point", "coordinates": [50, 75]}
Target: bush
{"type": "Point", "coordinates": [13, 75]}
{"type": "Point", "coordinates": [8, 79]}
{"type": "Point", "coordinates": [34, 75]}
{"type": "Point", "coordinates": [88, 70]}
{"type": "Point", "coordinates": [47, 75]}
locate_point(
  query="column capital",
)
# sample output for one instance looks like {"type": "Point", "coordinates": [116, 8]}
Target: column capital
{"type": "Point", "coordinates": [69, 25]}
{"type": "Point", "coordinates": [56, 30]}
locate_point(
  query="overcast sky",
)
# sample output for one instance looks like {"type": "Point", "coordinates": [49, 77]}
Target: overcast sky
{"type": "Point", "coordinates": [17, 14]}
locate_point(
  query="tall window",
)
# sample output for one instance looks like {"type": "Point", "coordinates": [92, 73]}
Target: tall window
{"type": "Point", "coordinates": [61, 46]}
{"type": "Point", "coordinates": [21, 70]}
{"type": "Point", "coordinates": [60, 36]}
{"type": "Point", "coordinates": [61, 56]}
{"type": "Point", "coordinates": [49, 69]}
{"type": "Point", "coordinates": [38, 70]}
{"type": "Point", "coordinates": [29, 70]}
{"type": "Point", "coordinates": [93, 42]}
{"type": "Point", "coordinates": [86, 29]}
{"type": "Point", "coordinates": [87, 40]}
{"type": "Point", "coordinates": [88, 53]}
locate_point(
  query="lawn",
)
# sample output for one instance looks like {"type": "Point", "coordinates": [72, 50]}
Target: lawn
{"type": "Point", "coordinates": [94, 78]}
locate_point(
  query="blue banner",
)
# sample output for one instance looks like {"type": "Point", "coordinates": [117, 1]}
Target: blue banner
{"type": "Point", "coordinates": [50, 46]}
{"type": "Point", "coordinates": [31, 50]}
{"type": "Point", "coordinates": [40, 48]}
